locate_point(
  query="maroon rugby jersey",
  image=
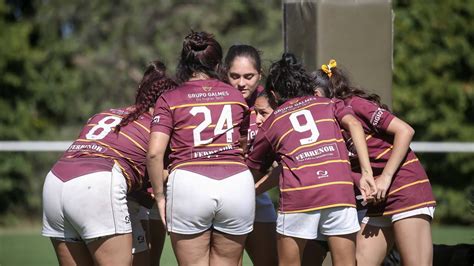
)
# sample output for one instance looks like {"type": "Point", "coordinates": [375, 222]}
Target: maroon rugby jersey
{"type": "Point", "coordinates": [410, 188]}
{"type": "Point", "coordinates": [98, 147]}
{"type": "Point", "coordinates": [304, 136]}
{"type": "Point", "coordinates": [203, 119]}
{"type": "Point", "coordinates": [252, 125]}
{"type": "Point", "coordinates": [253, 128]}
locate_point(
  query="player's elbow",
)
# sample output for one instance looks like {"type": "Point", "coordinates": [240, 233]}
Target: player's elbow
{"type": "Point", "coordinates": [408, 131]}
{"type": "Point", "coordinates": [353, 123]}
{"type": "Point", "coordinates": [152, 156]}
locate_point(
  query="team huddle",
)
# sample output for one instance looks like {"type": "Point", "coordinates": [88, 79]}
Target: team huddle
{"type": "Point", "coordinates": [195, 155]}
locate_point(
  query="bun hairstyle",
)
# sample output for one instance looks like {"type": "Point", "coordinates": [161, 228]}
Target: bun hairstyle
{"type": "Point", "coordinates": [338, 83]}
{"type": "Point", "coordinates": [288, 79]}
{"type": "Point", "coordinates": [152, 85]}
{"type": "Point", "coordinates": [200, 53]}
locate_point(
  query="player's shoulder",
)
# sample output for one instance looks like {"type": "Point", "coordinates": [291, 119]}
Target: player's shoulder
{"type": "Point", "coordinates": [355, 101]}
{"type": "Point", "coordinates": [170, 93]}
{"type": "Point", "coordinates": [294, 104]}
{"type": "Point", "coordinates": [119, 112]}
{"type": "Point", "coordinates": [172, 97]}
{"type": "Point", "coordinates": [229, 89]}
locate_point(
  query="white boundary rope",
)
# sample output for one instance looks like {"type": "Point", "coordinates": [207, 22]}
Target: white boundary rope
{"type": "Point", "coordinates": [34, 145]}
{"type": "Point", "coordinates": [44, 146]}
{"type": "Point", "coordinates": [442, 146]}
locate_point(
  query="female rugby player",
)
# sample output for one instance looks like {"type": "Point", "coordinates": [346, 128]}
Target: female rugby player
{"type": "Point", "coordinates": [85, 194]}
{"type": "Point", "coordinates": [243, 68]}
{"type": "Point", "coordinates": [316, 187]}
{"type": "Point", "coordinates": [405, 213]}
{"type": "Point", "coordinates": [207, 217]}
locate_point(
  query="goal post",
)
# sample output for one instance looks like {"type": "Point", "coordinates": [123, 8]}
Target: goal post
{"type": "Point", "coordinates": [357, 33]}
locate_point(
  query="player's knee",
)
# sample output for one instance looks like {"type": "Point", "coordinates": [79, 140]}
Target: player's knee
{"type": "Point", "coordinates": [363, 258]}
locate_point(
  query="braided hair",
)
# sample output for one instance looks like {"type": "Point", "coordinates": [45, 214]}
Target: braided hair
{"type": "Point", "coordinates": [152, 85]}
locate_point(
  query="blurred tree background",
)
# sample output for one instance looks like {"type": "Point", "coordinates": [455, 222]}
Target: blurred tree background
{"type": "Point", "coordinates": [62, 61]}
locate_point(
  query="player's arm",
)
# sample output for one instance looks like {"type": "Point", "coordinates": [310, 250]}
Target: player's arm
{"type": "Point", "coordinates": [367, 183]}
{"type": "Point", "coordinates": [269, 181]}
{"type": "Point", "coordinates": [155, 165]}
{"type": "Point", "coordinates": [403, 134]}
{"type": "Point", "coordinates": [383, 120]}
{"type": "Point", "coordinates": [261, 156]}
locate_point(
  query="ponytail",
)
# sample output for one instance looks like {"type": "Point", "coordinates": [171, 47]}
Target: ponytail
{"type": "Point", "coordinates": [333, 79]}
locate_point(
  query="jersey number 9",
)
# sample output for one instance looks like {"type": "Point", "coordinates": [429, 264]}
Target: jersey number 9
{"type": "Point", "coordinates": [310, 125]}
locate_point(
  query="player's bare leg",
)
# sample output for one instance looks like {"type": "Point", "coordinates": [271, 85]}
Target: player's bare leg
{"type": "Point", "coordinates": [141, 258]}
{"type": "Point", "coordinates": [373, 244]}
{"type": "Point", "coordinates": [112, 250]}
{"type": "Point", "coordinates": [343, 249]}
{"type": "Point", "coordinates": [414, 242]}
{"type": "Point", "coordinates": [192, 249]}
{"type": "Point", "coordinates": [72, 253]}
{"type": "Point", "coordinates": [226, 249]}
{"type": "Point", "coordinates": [261, 244]}
{"type": "Point", "coordinates": [290, 250]}
{"type": "Point", "coordinates": [314, 253]}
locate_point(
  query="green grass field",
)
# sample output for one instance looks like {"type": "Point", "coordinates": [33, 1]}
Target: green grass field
{"type": "Point", "coordinates": [21, 247]}
{"type": "Point", "coordinates": [27, 247]}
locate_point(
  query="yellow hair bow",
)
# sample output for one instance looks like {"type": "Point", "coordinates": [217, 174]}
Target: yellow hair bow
{"type": "Point", "coordinates": [327, 68]}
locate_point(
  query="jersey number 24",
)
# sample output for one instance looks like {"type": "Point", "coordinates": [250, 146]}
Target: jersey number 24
{"type": "Point", "coordinates": [224, 124]}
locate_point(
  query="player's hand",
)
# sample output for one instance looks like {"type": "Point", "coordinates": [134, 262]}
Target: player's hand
{"type": "Point", "coordinates": [161, 203]}
{"type": "Point", "coordinates": [383, 184]}
{"type": "Point", "coordinates": [367, 188]}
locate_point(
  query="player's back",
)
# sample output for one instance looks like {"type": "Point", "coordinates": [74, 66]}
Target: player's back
{"type": "Point", "coordinates": [410, 185]}
{"type": "Point", "coordinates": [305, 135]}
{"type": "Point", "coordinates": [305, 132]}
{"type": "Point", "coordinates": [204, 120]}
{"type": "Point", "coordinates": [98, 140]}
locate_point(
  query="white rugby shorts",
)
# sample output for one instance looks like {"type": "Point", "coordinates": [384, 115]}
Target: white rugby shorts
{"type": "Point", "coordinates": [315, 224]}
{"type": "Point", "coordinates": [195, 203]}
{"type": "Point", "coordinates": [388, 220]}
{"type": "Point", "coordinates": [86, 207]}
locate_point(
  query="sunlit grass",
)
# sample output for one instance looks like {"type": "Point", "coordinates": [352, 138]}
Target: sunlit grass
{"type": "Point", "coordinates": [25, 246]}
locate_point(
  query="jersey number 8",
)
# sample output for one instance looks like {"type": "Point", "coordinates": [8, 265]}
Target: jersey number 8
{"type": "Point", "coordinates": [102, 128]}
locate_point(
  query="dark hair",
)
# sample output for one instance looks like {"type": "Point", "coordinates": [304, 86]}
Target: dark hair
{"type": "Point", "coordinates": [321, 81]}
{"type": "Point", "coordinates": [243, 50]}
{"type": "Point", "coordinates": [341, 87]}
{"type": "Point", "coordinates": [289, 79]}
{"type": "Point", "coordinates": [152, 85]}
{"type": "Point", "coordinates": [200, 53]}
{"type": "Point", "coordinates": [269, 97]}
